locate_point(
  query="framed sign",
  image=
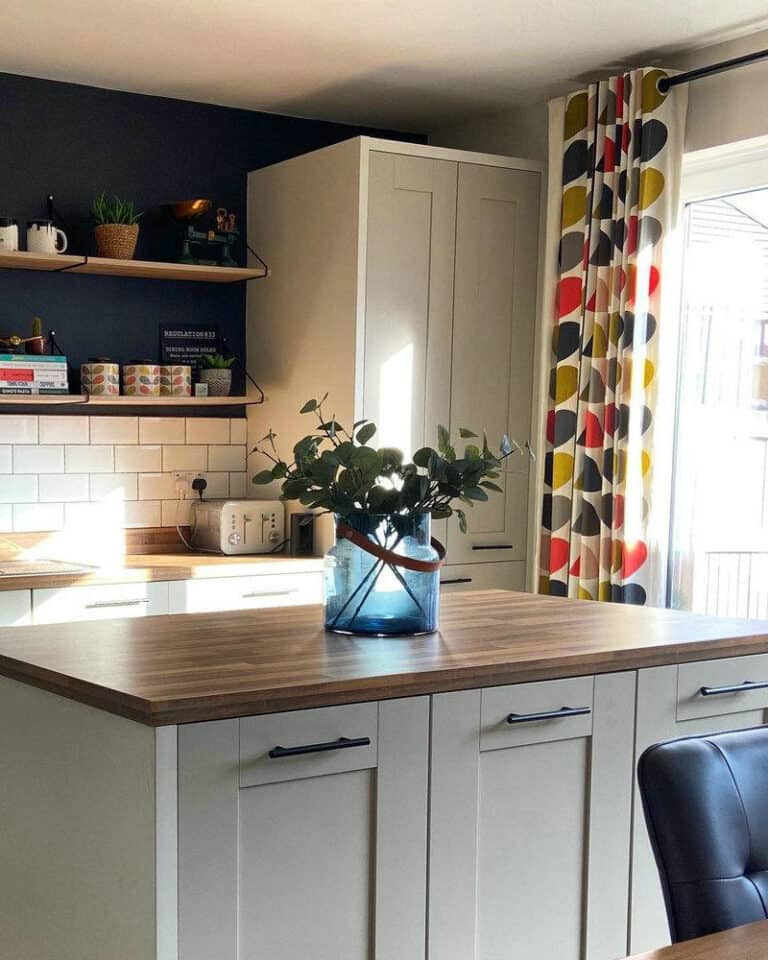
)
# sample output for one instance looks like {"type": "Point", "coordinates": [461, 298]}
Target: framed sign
{"type": "Point", "coordinates": [185, 343]}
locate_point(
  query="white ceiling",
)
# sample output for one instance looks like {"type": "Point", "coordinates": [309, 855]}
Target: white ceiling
{"type": "Point", "coordinates": [408, 64]}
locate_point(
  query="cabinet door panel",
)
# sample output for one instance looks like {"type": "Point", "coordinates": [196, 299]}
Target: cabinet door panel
{"type": "Point", "coordinates": [15, 608]}
{"type": "Point", "coordinates": [325, 863]}
{"type": "Point", "coordinates": [100, 602]}
{"type": "Point", "coordinates": [306, 892]}
{"type": "Point", "coordinates": [543, 821]}
{"type": "Point", "coordinates": [492, 360]}
{"type": "Point", "coordinates": [408, 297]}
{"type": "Point", "coordinates": [663, 695]}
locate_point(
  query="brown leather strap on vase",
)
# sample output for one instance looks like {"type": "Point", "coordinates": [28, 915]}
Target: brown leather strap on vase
{"type": "Point", "coordinates": [345, 532]}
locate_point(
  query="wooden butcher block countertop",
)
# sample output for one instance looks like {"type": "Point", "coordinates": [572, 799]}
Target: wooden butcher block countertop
{"type": "Point", "coordinates": [194, 667]}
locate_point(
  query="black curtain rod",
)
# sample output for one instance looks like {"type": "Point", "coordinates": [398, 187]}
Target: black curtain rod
{"type": "Point", "coordinates": [666, 83]}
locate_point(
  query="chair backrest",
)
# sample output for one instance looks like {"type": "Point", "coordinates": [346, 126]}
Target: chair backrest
{"type": "Point", "coordinates": [706, 807]}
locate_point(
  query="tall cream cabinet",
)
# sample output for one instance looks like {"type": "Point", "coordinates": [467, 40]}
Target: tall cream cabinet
{"type": "Point", "coordinates": [403, 283]}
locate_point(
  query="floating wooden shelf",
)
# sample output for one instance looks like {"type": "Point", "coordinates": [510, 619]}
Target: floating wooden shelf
{"type": "Point", "coordinates": [76, 399]}
{"type": "Point", "coordinates": [146, 269]}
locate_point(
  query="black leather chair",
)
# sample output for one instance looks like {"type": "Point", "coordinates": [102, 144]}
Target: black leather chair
{"type": "Point", "coordinates": [706, 807]}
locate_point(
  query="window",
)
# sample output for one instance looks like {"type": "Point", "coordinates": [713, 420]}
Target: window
{"type": "Point", "coordinates": [719, 530]}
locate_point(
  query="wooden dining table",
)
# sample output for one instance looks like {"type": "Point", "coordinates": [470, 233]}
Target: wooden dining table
{"type": "Point", "coordinates": [749, 942]}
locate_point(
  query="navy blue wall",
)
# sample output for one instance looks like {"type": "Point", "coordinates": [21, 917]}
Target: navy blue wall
{"type": "Point", "coordinates": [74, 141]}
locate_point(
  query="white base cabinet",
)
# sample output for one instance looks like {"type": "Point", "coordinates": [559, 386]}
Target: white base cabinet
{"type": "Point", "coordinates": [99, 602]}
{"type": "Point", "coordinates": [670, 704]}
{"type": "Point", "coordinates": [246, 593]}
{"type": "Point", "coordinates": [530, 811]}
{"type": "Point", "coordinates": [15, 608]}
{"type": "Point", "coordinates": [296, 842]}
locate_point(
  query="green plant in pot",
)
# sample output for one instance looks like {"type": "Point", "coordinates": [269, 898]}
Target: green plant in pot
{"type": "Point", "coordinates": [382, 576]}
{"type": "Point", "coordinates": [216, 371]}
{"type": "Point", "coordinates": [117, 227]}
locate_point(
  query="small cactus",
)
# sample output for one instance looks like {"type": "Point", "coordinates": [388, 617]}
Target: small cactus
{"type": "Point", "coordinates": [37, 326]}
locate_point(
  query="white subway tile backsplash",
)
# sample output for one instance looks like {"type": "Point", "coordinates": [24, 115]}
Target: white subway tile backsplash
{"type": "Point", "coordinates": [238, 430]}
{"type": "Point", "coordinates": [176, 512]}
{"type": "Point", "coordinates": [162, 430]}
{"type": "Point", "coordinates": [113, 486]}
{"type": "Point", "coordinates": [15, 429]}
{"type": "Point", "coordinates": [114, 429]}
{"type": "Point", "coordinates": [231, 457]}
{"type": "Point", "coordinates": [185, 458]}
{"type": "Point", "coordinates": [18, 488]}
{"type": "Point", "coordinates": [31, 458]}
{"type": "Point", "coordinates": [207, 430]}
{"type": "Point", "coordinates": [157, 486]}
{"type": "Point", "coordinates": [6, 459]}
{"type": "Point", "coordinates": [89, 459]}
{"type": "Point", "coordinates": [143, 513]}
{"type": "Point", "coordinates": [34, 517]}
{"type": "Point", "coordinates": [100, 518]}
{"type": "Point", "coordinates": [138, 459]}
{"type": "Point", "coordinates": [63, 487]}
{"type": "Point", "coordinates": [6, 517]}
{"type": "Point", "coordinates": [238, 485]}
{"type": "Point", "coordinates": [63, 430]}
{"type": "Point", "coordinates": [218, 486]}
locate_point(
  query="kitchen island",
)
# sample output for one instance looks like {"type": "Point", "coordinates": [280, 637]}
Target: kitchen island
{"type": "Point", "coordinates": [245, 786]}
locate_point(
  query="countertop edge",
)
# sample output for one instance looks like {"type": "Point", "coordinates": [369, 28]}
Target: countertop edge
{"type": "Point", "coordinates": [160, 713]}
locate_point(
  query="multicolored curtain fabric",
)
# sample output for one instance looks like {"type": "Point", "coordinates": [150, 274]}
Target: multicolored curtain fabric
{"type": "Point", "coordinates": [618, 202]}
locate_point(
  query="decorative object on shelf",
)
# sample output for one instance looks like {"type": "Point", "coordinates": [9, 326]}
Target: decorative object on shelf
{"type": "Point", "coordinates": [382, 576]}
{"type": "Point", "coordinates": [141, 378]}
{"type": "Point", "coordinates": [36, 343]}
{"type": "Point", "coordinates": [201, 245]}
{"type": "Point", "coordinates": [187, 343]}
{"type": "Point", "coordinates": [44, 237]}
{"type": "Point", "coordinates": [34, 375]}
{"type": "Point", "coordinates": [216, 372]}
{"type": "Point", "coordinates": [9, 235]}
{"type": "Point", "coordinates": [175, 380]}
{"type": "Point", "coordinates": [201, 389]}
{"type": "Point", "coordinates": [100, 377]}
{"type": "Point", "coordinates": [117, 227]}
{"type": "Point", "coordinates": [760, 383]}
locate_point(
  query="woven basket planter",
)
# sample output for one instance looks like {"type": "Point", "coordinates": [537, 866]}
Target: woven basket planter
{"type": "Point", "coordinates": [116, 241]}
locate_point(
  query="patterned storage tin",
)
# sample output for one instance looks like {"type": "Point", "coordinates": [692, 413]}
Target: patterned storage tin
{"type": "Point", "coordinates": [141, 380]}
{"type": "Point", "coordinates": [175, 381]}
{"type": "Point", "coordinates": [100, 377]}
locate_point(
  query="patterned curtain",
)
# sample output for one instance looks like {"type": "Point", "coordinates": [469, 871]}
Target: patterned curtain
{"type": "Point", "coordinates": [619, 201]}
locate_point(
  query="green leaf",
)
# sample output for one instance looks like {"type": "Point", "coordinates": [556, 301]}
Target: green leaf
{"type": "Point", "coordinates": [309, 407]}
{"type": "Point", "coordinates": [462, 520]}
{"type": "Point", "coordinates": [475, 493]}
{"type": "Point", "coordinates": [263, 476]}
{"type": "Point", "coordinates": [491, 486]}
{"type": "Point", "coordinates": [391, 459]}
{"type": "Point", "coordinates": [423, 456]}
{"type": "Point", "coordinates": [442, 512]}
{"type": "Point", "coordinates": [365, 433]}
{"type": "Point", "coordinates": [466, 434]}
{"type": "Point", "coordinates": [506, 445]}
{"type": "Point", "coordinates": [345, 451]}
{"type": "Point", "coordinates": [443, 438]}
{"type": "Point", "coordinates": [471, 452]}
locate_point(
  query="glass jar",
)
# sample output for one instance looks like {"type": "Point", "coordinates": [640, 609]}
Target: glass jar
{"type": "Point", "coordinates": [388, 581]}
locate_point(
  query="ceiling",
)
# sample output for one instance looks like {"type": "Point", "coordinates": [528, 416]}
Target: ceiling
{"type": "Point", "coordinates": [407, 64]}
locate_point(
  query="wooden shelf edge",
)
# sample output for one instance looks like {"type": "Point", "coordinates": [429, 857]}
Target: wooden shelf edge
{"type": "Point", "coordinates": [144, 269]}
{"type": "Point", "coordinates": [74, 399]}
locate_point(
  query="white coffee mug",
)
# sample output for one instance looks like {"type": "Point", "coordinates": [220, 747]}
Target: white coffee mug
{"type": "Point", "coordinates": [9, 235]}
{"type": "Point", "coordinates": [43, 237]}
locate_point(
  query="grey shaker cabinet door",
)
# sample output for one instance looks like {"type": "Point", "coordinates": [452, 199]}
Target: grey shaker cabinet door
{"type": "Point", "coordinates": [530, 821]}
{"type": "Point", "coordinates": [319, 854]}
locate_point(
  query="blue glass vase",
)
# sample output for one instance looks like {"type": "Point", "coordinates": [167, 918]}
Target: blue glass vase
{"type": "Point", "coordinates": [373, 593]}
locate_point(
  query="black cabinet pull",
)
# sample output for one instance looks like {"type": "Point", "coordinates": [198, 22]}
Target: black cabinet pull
{"type": "Point", "coordinates": [734, 688]}
{"type": "Point", "coordinates": [548, 714]}
{"type": "Point", "coordinates": [456, 580]}
{"type": "Point", "coordinates": [343, 743]}
{"type": "Point", "coordinates": [494, 546]}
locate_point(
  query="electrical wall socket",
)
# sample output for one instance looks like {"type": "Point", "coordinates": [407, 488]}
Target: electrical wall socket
{"type": "Point", "coordinates": [184, 480]}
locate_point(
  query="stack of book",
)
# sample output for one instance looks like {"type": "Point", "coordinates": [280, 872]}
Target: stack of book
{"type": "Point", "coordinates": [28, 373]}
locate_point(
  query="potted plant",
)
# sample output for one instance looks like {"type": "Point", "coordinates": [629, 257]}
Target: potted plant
{"type": "Point", "coordinates": [216, 371]}
{"type": "Point", "coordinates": [382, 576]}
{"type": "Point", "coordinates": [117, 227]}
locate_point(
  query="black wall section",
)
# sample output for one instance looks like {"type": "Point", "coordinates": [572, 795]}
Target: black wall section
{"type": "Point", "coordinates": [74, 141]}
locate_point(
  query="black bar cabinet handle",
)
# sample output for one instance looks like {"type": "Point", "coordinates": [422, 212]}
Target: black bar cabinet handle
{"type": "Point", "coordinates": [456, 580]}
{"type": "Point", "coordinates": [734, 688]}
{"type": "Point", "coordinates": [548, 714]}
{"type": "Point", "coordinates": [343, 743]}
{"type": "Point", "coordinates": [494, 546]}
